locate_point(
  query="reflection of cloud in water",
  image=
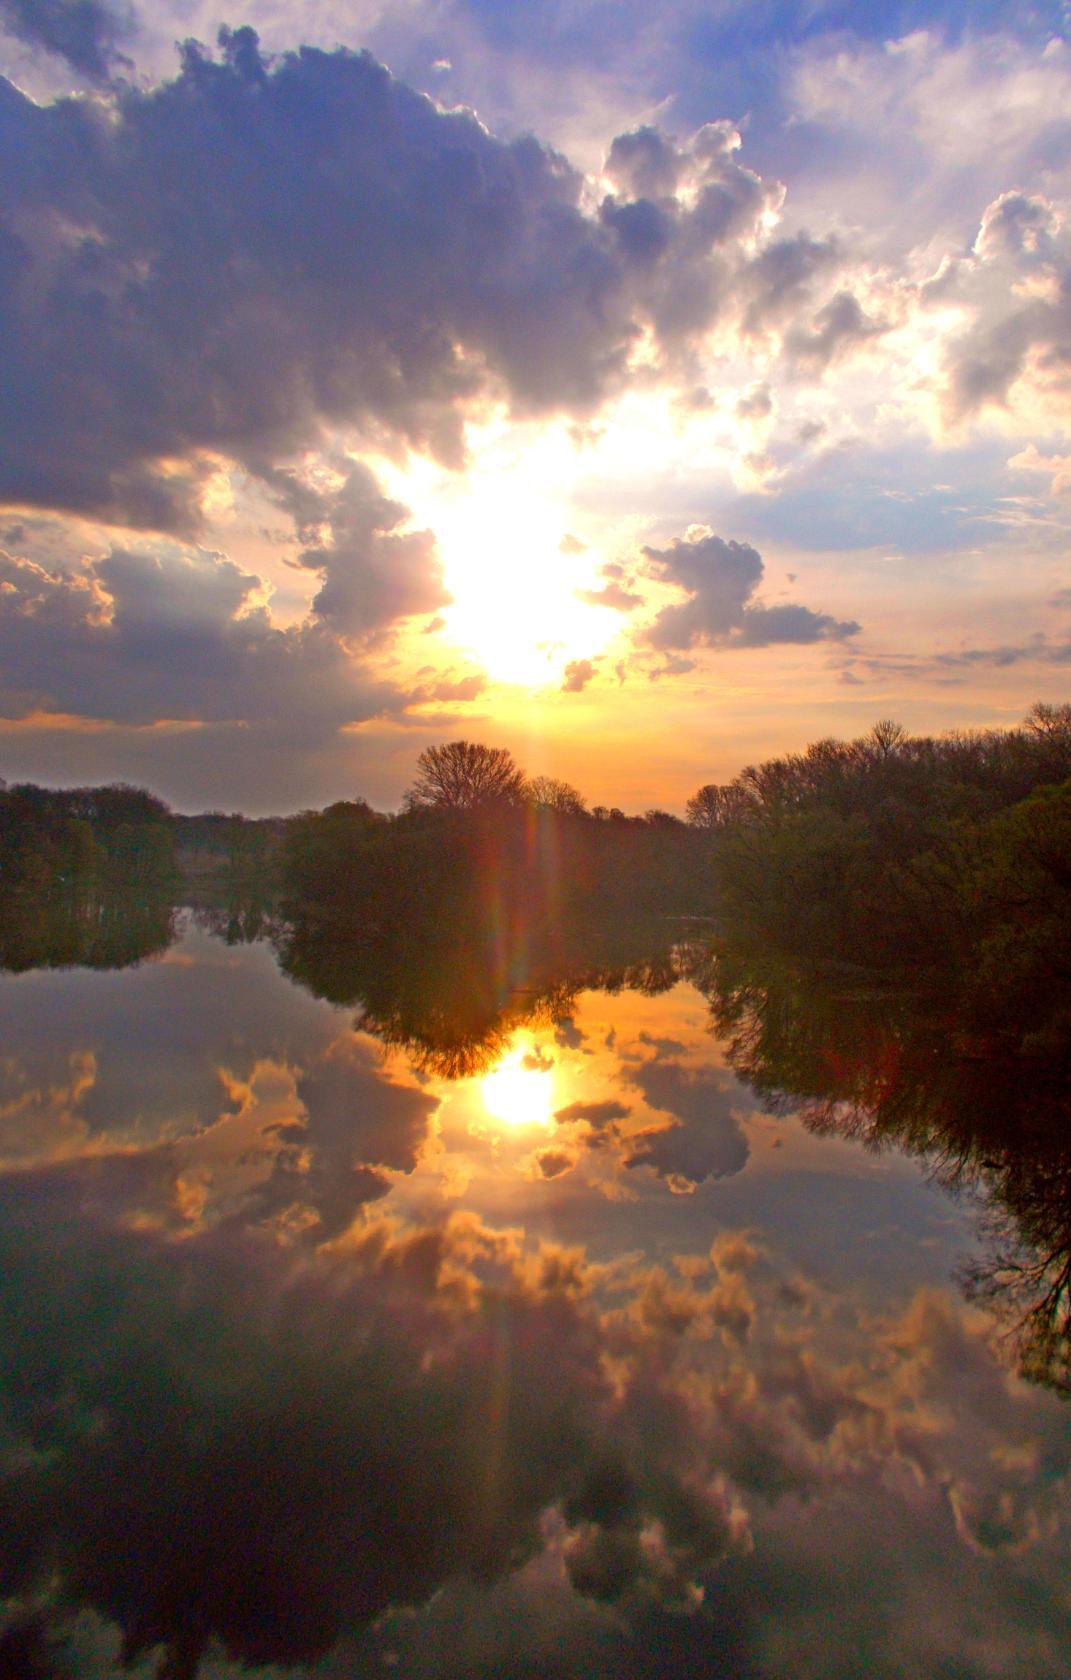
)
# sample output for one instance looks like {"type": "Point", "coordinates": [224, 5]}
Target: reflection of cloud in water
{"type": "Point", "coordinates": [232, 1445]}
{"type": "Point", "coordinates": [158, 1035]}
{"type": "Point", "coordinates": [707, 1141]}
{"type": "Point", "coordinates": [258, 1386]}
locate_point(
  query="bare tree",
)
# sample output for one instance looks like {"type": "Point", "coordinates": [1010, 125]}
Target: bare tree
{"type": "Point", "coordinates": [558, 795]}
{"type": "Point", "coordinates": [1049, 722]}
{"type": "Point", "coordinates": [463, 776]}
{"type": "Point", "coordinates": [707, 808]}
{"type": "Point", "coordinates": [886, 738]}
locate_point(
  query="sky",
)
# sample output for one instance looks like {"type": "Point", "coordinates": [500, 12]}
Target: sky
{"type": "Point", "coordinates": [646, 390]}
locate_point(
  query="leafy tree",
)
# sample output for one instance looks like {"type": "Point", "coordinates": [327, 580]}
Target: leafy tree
{"type": "Point", "coordinates": [465, 776]}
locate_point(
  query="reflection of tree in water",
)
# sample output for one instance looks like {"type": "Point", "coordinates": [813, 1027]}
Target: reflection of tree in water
{"type": "Point", "coordinates": [239, 920]}
{"type": "Point", "coordinates": [931, 1073]}
{"type": "Point", "coordinates": [105, 927]}
{"type": "Point", "coordinates": [449, 929]}
{"type": "Point", "coordinates": [86, 876]}
{"type": "Point", "coordinates": [453, 991]}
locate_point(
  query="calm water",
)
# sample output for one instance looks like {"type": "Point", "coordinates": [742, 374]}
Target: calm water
{"type": "Point", "coordinates": [488, 1324]}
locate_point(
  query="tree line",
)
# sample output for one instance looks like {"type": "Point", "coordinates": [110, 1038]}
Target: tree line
{"type": "Point", "coordinates": [893, 961]}
{"type": "Point", "coordinates": [87, 875]}
{"type": "Point", "coordinates": [477, 839]}
{"type": "Point", "coordinates": [909, 858]}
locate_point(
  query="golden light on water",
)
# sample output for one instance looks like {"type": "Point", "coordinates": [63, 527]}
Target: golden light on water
{"type": "Point", "coordinates": [519, 1095]}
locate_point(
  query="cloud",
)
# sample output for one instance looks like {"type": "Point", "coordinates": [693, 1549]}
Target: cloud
{"type": "Point", "coordinates": [85, 33]}
{"type": "Point", "coordinates": [644, 164]}
{"type": "Point", "coordinates": [355, 1120]}
{"type": "Point", "coordinates": [882, 155]}
{"type": "Point", "coordinates": [756, 403]}
{"type": "Point", "coordinates": [578, 673]}
{"type": "Point", "coordinates": [229, 1438]}
{"type": "Point", "coordinates": [777, 283]}
{"type": "Point", "coordinates": [165, 631]}
{"type": "Point", "coordinates": [553, 1162]}
{"type": "Point", "coordinates": [707, 1141]}
{"type": "Point", "coordinates": [333, 1428]}
{"type": "Point", "coordinates": [721, 578]}
{"type": "Point", "coordinates": [1015, 290]}
{"type": "Point", "coordinates": [1057, 467]}
{"type": "Point", "coordinates": [838, 328]}
{"type": "Point", "coordinates": [1037, 649]}
{"type": "Point", "coordinates": [374, 573]}
{"type": "Point", "coordinates": [239, 260]}
{"type": "Point", "coordinates": [613, 595]}
{"type": "Point", "coordinates": [598, 1115]}
{"type": "Point", "coordinates": [143, 1055]}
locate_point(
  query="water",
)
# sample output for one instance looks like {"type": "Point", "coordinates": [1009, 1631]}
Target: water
{"type": "Point", "coordinates": [370, 1314]}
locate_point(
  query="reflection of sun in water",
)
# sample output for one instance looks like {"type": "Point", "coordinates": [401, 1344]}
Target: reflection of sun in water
{"type": "Point", "coordinates": [517, 1095]}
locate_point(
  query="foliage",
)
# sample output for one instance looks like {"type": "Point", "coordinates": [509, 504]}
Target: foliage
{"type": "Point", "coordinates": [453, 978]}
{"type": "Point", "coordinates": [893, 958]}
{"type": "Point", "coordinates": [86, 875]}
{"type": "Point", "coordinates": [453, 921]}
{"type": "Point", "coordinates": [872, 852]}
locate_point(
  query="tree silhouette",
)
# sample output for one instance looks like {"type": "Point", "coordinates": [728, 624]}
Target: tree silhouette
{"type": "Point", "coordinates": [552, 792]}
{"type": "Point", "coordinates": [465, 776]}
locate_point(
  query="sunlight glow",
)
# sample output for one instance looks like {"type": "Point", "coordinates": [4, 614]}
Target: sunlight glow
{"type": "Point", "coordinates": [518, 1095]}
{"type": "Point", "coordinates": [501, 529]}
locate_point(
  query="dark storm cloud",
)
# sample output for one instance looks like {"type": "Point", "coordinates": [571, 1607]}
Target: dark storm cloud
{"type": "Point", "coordinates": [721, 578]}
{"type": "Point", "coordinates": [85, 33]}
{"type": "Point", "coordinates": [169, 632]}
{"type": "Point", "coordinates": [239, 258]}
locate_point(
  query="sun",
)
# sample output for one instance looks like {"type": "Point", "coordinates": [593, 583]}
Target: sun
{"type": "Point", "coordinates": [516, 1094]}
{"type": "Point", "coordinates": [515, 608]}
{"type": "Point", "coordinates": [510, 564]}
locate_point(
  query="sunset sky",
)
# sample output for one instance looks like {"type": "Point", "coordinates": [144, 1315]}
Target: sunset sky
{"type": "Point", "coordinates": [645, 389]}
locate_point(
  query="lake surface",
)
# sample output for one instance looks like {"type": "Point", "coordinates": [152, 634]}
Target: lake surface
{"type": "Point", "coordinates": [495, 1326]}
